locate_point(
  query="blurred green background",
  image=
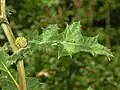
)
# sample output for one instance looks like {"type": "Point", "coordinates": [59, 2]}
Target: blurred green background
{"type": "Point", "coordinates": [83, 72]}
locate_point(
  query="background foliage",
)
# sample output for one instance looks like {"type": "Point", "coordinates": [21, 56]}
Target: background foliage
{"type": "Point", "coordinates": [83, 71]}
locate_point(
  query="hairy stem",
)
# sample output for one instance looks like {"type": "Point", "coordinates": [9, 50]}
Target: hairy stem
{"type": "Point", "coordinates": [11, 39]}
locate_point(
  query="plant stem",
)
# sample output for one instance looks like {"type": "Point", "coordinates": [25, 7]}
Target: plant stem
{"type": "Point", "coordinates": [21, 73]}
{"type": "Point", "coordinates": [107, 21]}
{"type": "Point", "coordinates": [91, 12]}
{"type": "Point", "coordinates": [8, 32]}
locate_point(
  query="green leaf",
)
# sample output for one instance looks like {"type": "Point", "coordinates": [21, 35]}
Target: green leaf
{"type": "Point", "coordinates": [6, 82]}
{"type": "Point", "coordinates": [90, 88]}
{"type": "Point", "coordinates": [8, 77]}
{"type": "Point", "coordinates": [49, 35]}
{"type": "Point", "coordinates": [71, 32]}
{"type": "Point", "coordinates": [34, 84]}
{"type": "Point", "coordinates": [34, 34]}
{"type": "Point", "coordinates": [71, 41]}
{"type": "Point", "coordinates": [4, 59]}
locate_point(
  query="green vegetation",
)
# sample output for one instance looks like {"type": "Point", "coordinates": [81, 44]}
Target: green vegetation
{"type": "Point", "coordinates": [67, 45]}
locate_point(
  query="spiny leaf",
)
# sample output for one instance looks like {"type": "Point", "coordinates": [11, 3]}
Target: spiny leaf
{"type": "Point", "coordinates": [71, 41]}
{"type": "Point", "coordinates": [34, 34]}
{"type": "Point", "coordinates": [72, 31]}
{"type": "Point", "coordinates": [49, 35]}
